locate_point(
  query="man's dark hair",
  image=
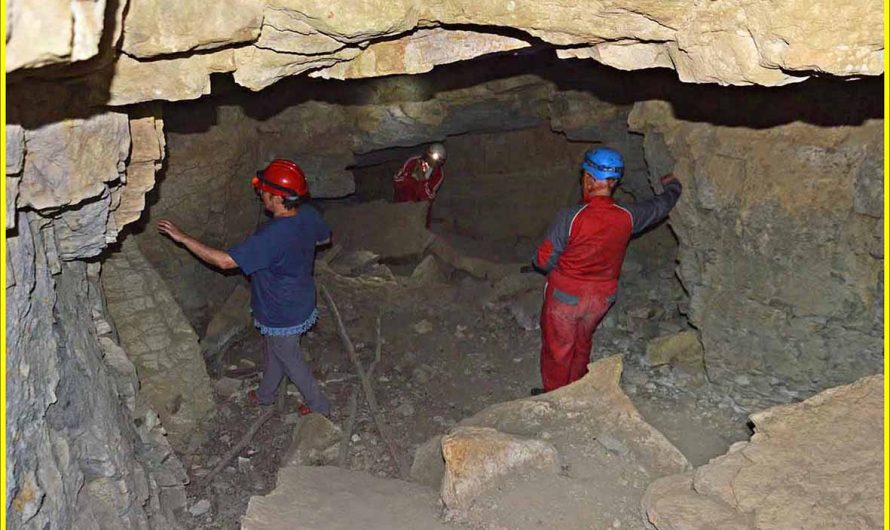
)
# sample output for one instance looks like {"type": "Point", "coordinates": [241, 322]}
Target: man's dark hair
{"type": "Point", "coordinates": [293, 204]}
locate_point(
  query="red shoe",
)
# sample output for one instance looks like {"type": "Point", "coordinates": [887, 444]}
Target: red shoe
{"type": "Point", "coordinates": [304, 410]}
{"type": "Point", "coordinates": [254, 399]}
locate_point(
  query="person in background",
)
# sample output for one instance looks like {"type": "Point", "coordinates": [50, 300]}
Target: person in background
{"type": "Point", "coordinates": [420, 178]}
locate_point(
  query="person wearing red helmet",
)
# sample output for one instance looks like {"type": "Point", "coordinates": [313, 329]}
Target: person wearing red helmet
{"type": "Point", "coordinates": [278, 258]}
{"type": "Point", "coordinates": [420, 178]}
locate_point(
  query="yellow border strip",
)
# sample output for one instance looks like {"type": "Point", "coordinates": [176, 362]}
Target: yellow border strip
{"type": "Point", "coordinates": [3, 261]}
{"type": "Point", "coordinates": [886, 294]}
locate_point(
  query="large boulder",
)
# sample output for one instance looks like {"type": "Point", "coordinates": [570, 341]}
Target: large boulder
{"type": "Point", "coordinates": [815, 464]}
{"type": "Point", "coordinates": [594, 406]}
{"type": "Point", "coordinates": [582, 451]}
{"type": "Point", "coordinates": [478, 458]}
{"type": "Point", "coordinates": [331, 498]}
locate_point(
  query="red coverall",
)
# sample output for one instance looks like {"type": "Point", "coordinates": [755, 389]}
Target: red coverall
{"type": "Point", "coordinates": [410, 184]}
{"type": "Point", "coordinates": [582, 254]}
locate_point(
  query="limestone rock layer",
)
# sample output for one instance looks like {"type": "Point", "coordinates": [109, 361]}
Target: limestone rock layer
{"type": "Point", "coordinates": [779, 235]}
{"type": "Point", "coordinates": [729, 43]}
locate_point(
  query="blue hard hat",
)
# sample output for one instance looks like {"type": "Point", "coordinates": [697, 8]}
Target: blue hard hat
{"type": "Point", "coordinates": [603, 163]}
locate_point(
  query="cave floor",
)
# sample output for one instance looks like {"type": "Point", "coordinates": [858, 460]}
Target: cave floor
{"type": "Point", "coordinates": [446, 356]}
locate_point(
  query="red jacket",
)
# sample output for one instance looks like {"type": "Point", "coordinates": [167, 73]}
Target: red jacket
{"type": "Point", "coordinates": [411, 186]}
{"type": "Point", "coordinates": [586, 243]}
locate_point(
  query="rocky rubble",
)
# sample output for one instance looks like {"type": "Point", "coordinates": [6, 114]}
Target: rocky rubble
{"type": "Point", "coordinates": [563, 445]}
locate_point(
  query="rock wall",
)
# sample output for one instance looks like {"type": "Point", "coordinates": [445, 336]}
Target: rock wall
{"type": "Point", "coordinates": [161, 344]}
{"type": "Point", "coordinates": [779, 229]}
{"type": "Point", "coordinates": [85, 450]}
{"type": "Point", "coordinates": [205, 189]}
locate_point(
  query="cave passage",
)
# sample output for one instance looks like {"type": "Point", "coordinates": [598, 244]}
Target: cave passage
{"type": "Point", "coordinates": [459, 323]}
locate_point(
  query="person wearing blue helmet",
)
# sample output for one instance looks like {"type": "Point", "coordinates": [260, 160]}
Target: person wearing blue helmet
{"type": "Point", "coordinates": [582, 256]}
{"type": "Point", "coordinates": [603, 164]}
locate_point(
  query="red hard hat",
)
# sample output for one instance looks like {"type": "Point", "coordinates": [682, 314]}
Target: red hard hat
{"type": "Point", "coordinates": [283, 178]}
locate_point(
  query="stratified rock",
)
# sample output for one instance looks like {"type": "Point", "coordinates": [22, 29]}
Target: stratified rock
{"type": "Point", "coordinates": [419, 52]}
{"type": "Point", "coordinates": [146, 155]}
{"type": "Point", "coordinates": [160, 343]}
{"type": "Point", "coordinates": [285, 31]}
{"type": "Point", "coordinates": [781, 282]}
{"type": "Point", "coordinates": [173, 79]}
{"type": "Point", "coordinates": [331, 498]}
{"type": "Point", "coordinates": [67, 162]}
{"type": "Point", "coordinates": [15, 149]}
{"type": "Point", "coordinates": [44, 33]}
{"type": "Point", "coordinates": [41, 33]}
{"type": "Point", "coordinates": [682, 349]}
{"type": "Point", "coordinates": [76, 459]}
{"type": "Point", "coordinates": [477, 458]}
{"type": "Point", "coordinates": [325, 167]}
{"type": "Point", "coordinates": [315, 442]}
{"type": "Point", "coordinates": [157, 28]}
{"type": "Point", "coordinates": [815, 464]}
{"type": "Point", "coordinates": [257, 68]}
{"type": "Point", "coordinates": [81, 232]}
{"type": "Point", "coordinates": [428, 467]}
{"type": "Point", "coordinates": [730, 43]}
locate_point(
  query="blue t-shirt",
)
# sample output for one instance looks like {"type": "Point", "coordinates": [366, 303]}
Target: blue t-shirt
{"type": "Point", "coordinates": [279, 259]}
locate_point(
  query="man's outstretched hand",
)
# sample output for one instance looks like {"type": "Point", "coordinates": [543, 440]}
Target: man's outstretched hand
{"type": "Point", "coordinates": [667, 179]}
{"type": "Point", "coordinates": [170, 230]}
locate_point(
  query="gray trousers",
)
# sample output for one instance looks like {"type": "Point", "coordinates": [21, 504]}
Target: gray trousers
{"type": "Point", "coordinates": [282, 356]}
